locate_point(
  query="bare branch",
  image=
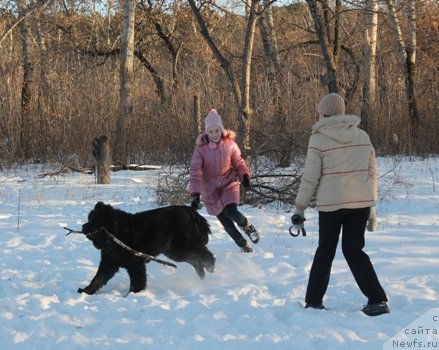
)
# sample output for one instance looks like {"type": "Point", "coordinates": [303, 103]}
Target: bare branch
{"type": "Point", "coordinates": [35, 6]}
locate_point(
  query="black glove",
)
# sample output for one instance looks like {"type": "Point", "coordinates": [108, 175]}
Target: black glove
{"type": "Point", "coordinates": [195, 201]}
{"type": "Point", "coordinates": [246, 181]}
{"type": "Point", "coordinates": [297, 220]}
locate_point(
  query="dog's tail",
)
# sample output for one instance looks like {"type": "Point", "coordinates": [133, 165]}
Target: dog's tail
{"type": "Point", "coordinates": [201, 222]}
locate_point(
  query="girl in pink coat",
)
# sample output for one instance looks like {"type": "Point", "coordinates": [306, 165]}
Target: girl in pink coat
{"type": "Point", "coordinates": [215, 172]}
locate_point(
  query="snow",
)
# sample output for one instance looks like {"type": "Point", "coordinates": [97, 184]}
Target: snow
{"type": "Point", "coordinates": [252, 301]}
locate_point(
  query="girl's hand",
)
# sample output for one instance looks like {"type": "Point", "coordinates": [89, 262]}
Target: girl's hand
{"type": "Point", "coordinates": [195, 201]}
{"type": "Point", "coordinates": [246, 181]}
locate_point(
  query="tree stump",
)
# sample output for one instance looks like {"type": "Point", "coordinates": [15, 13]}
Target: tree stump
{"type": "Point", "coordinates": [101, 152]}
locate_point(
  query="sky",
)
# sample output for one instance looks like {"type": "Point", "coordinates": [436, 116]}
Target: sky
{"type": "Point", "coordinates": [252, 301]}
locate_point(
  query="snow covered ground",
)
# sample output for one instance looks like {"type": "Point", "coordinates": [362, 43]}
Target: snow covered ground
{"type": "Point", "coordinates": [251, 301]}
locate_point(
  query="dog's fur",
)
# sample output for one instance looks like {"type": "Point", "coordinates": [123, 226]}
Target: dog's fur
{"type": "Point", "coordinates": [178, 232]}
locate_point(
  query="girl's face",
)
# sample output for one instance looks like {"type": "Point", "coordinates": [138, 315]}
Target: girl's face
{"type": "Point", "coordinates": [214, 133]}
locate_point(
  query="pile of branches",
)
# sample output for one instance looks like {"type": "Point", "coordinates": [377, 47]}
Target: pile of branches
{"type": "Point", "coordinates": [269, 188]}
{"type": "Point", "coordinates": [172, 187]}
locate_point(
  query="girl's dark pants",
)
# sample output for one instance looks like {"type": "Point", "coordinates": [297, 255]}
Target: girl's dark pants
{"type": "Point", "coordinates": [353, 222]}
{"type": "Point", "coordinates": [228, 216]}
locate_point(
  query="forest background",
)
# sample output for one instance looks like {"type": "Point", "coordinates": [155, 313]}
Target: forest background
{"type": "Point", "coordinates": [144, 73]}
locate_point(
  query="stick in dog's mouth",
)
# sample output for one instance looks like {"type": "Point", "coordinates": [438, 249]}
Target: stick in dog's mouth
{"type": "Point", "coordinates": [87, 234]}
{"type": "Point", "coordinates": [72, 231]}
{"type": "Point", "coordinates": [123, 245]}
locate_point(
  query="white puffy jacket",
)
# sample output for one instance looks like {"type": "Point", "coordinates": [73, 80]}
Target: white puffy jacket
{"type": "Point", "coordinates": [340, 166]}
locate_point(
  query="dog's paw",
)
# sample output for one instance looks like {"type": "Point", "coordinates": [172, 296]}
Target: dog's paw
{"type": "Point", "coordinates": [209, 263]}
{"type": "Point", "coordinates": [136, 289]}
{"type": "Point", "coordinates": [86, 291]}
{"type": "Point", "coordinates": [200, 272]}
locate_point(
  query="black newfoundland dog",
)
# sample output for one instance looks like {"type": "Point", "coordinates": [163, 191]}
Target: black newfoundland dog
{"type": "Point", "coordinates": [178, 232]}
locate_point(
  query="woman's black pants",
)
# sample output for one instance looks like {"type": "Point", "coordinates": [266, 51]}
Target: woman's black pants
{"type": "Point", "coordinates": [353, 223]}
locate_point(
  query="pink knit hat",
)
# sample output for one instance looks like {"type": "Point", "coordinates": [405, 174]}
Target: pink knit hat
{"type": "Point", "coordinates": [213, 119]}
{"type": "Point", "coordinates": [332, 104]}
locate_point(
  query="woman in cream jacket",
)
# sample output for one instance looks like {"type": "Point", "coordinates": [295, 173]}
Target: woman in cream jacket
{"type": "Point", "coordinates": [340, 170]}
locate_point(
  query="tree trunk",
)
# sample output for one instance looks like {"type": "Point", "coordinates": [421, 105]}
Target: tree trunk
{"type": "Point", "coordinates": [269, 41]}
{"type": "Point", "coordinates": [273, 73]}
{"type": "Point", "coordinates": [246, 111]}
{"type": "Point", "coordinates": [223, 61]}
{"type": "Point", "coordinates": [407, 57]}
{"type": "Point", "coordinates": [26, 86]}
{"type": "Point", "coordinates": [330, 79]}
{"type": "Point", "coordinates": [101, 152]}
{"type": "Point", "coordinates": [411, 65]}
{"type": "Point", "coordinates": [370, 46]}
{"type": "Point", "coordinates": [159, 83]}
{"type": "Point", "coordinates": [126, 76]}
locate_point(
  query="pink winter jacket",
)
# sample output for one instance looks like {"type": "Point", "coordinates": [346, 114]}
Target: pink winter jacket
{"type": "Point", "coordinates": [215, 172]}
{"type": "Point", "coordinates": [340, 166]}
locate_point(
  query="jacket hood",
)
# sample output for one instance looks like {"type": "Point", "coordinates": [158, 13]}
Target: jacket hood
{"type": "Point", "coordinates": [342, 128]}
{"type": "Point", "coordinates": [203, 139]}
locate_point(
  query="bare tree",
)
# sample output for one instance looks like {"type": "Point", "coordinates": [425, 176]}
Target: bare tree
{"type": "Point", "coordinates": [126, 76]}
{"type": "Point", "coordinates": [24, 12]}
{"type": "Point", "coordinates": [28, 73]}
{"type": "Point", "coordinates": [269, 41]}
{"type": "Point", "coordinates": [225, 63]}
{"type": "Point", "coordinates": [273, 72]}
{"type": "Point", "coordinates": [407, 54]}
{"type": "Point", "coordinates": [246, 111]}
{"type": "Point", "coordinates": [155, 14]}
{"type": "Point", "coordinates": [370, 46]}
{"type": "Point", "coordinates": [241, 91]}
{"type": "Point", "coordinates": [158, 80]}
{"type": "Point", "coordinates": [330, 43]}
